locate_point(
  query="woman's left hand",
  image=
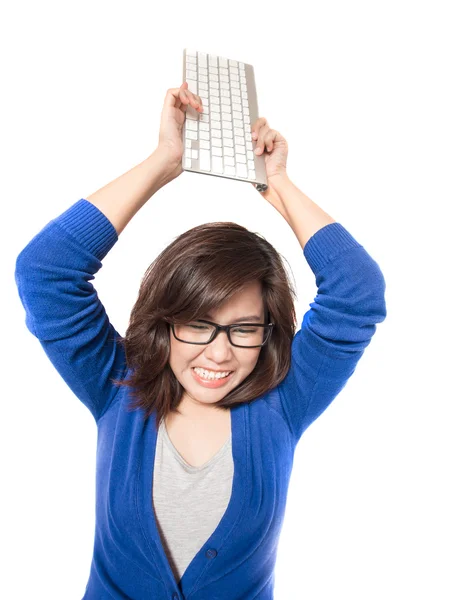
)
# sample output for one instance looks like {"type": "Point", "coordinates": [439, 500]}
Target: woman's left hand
{"type": "Point", "coordinates": [275, 144]}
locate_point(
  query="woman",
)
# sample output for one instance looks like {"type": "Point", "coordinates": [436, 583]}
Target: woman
{"type": "Point", "coordinates": [200, 407]}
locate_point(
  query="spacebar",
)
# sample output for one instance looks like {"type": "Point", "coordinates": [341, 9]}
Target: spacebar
{"type": "Point", "coordinates": [205, 160]}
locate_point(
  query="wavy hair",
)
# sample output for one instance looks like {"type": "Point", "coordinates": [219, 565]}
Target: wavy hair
{"type": "Point", "coordinates": [195, 274]}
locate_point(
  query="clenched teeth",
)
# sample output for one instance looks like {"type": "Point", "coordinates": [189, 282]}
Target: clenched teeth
{"type": "Point", "coordinates": [210, 374]}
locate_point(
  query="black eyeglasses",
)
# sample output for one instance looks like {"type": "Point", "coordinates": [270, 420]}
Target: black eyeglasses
{"type": "Point", "coordinates": [244, 335]}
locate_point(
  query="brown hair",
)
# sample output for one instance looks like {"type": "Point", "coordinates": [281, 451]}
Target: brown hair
{"type": "Point", "coordinates": [198, 271]}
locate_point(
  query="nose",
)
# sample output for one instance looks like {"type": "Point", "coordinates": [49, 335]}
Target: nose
{"type": "Point", "coordinates": [220, 347]}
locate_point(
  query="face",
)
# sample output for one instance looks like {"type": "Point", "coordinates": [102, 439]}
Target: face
{"type": "Point", "coordinates": [219, 355]}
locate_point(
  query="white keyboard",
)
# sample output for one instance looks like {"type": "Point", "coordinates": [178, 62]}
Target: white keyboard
{"type": "Point", "coordinates": [218, 140]}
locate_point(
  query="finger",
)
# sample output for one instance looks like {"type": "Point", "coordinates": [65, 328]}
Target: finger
{"type": "Point", "coordinates": [270, 138]}
{"type": "Point", "coordinates": [173, 96]}
{"type": "Point", "coordinates": [189, 97]}
{"type": "Point", "coordinates": [257, 125]}
{"type": "Point", "coordinates": [181, 97]}
{"type": "Point", "coordinates": [261, 139]}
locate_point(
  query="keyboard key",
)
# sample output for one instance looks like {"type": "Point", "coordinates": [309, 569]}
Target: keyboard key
{"type": "Point", "coordinates": [228, 170]}
{"type": "Point", "coordinates": [217, 165]}
{"type": "Point", "coordinates": [205, 160]}
{"type": "Point", "coordinates": [192, 85]}
{"type": "Point", "coordinates": [191, 124]}
{"type": "Point", "coordinates": [192, 135]}
{"type": "Point", "coordinates": [241, 170]}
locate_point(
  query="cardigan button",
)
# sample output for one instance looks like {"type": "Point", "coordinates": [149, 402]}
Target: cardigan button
{"type": "Point", "coordinates": [174, 596]}
{"type": "Point", "coordinates": [211, 553]}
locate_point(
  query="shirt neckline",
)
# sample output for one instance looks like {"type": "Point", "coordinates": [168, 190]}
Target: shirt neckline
{"type": "Point", "coordinates": [188, 467]}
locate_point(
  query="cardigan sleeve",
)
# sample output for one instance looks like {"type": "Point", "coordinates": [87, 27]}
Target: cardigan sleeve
{"type": "Point", "coordinates": [62, 309]}
{"type": "Point", "coordinates": [334, 333]}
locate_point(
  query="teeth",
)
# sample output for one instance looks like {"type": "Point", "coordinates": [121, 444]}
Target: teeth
{"type": "Point", "coordinates": [210, 375]}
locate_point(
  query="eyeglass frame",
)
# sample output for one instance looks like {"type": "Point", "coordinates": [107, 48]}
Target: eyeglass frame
{"type": "Point", "coordinates": [226, 328]}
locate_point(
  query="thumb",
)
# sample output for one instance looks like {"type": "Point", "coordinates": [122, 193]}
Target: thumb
{"type": "Point", "coordinates": [173, 100]}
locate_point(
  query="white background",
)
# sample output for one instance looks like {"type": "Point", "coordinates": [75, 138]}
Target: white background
{"type": "Point", "coordinates": [361, 92]}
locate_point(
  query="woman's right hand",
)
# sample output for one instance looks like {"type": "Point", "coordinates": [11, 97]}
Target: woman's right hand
{"type": "Point", "coordinates": [173, 117]}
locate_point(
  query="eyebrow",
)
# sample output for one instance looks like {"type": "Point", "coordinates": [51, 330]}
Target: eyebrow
{"type": "Point", "coordinates": [242, 319]}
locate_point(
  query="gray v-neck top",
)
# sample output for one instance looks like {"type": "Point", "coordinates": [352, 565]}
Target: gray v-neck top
{"type": "Point", "coordinates": [188, 501]}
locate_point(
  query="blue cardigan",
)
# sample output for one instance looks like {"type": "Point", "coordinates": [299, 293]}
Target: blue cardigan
{"type": "Point", "coordinates": [53, 275]}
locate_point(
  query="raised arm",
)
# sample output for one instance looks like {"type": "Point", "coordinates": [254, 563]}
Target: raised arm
{"type": "Point", "coordinates": [53, 274]}
{"type": "Point", "coordinates": [54, 270]}
{"type": "Point", "coordinates": [337, 329]}
{"type": "Point", "coordinates": [349, 302]}
{"type": "Point", "coordinates": [62, 309]}
{"type": "Point", "coordinates": [121, 199]}
{"type": "Point", "coordinates": [342, 319]}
